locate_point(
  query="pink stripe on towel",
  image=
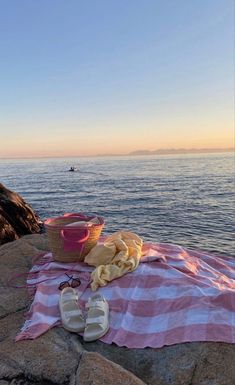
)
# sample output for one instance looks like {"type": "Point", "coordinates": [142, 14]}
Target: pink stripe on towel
{"type": "Point", "coordinates": [175, 295]}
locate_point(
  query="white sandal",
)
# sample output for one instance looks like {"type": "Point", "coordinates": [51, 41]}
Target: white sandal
{"type": "Point", "coordinates": [71, 315]}
{"type": "Point", "coordinates": [97, 323]}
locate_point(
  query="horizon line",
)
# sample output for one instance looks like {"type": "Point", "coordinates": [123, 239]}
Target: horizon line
{"type": "Point", "coordinates": [172, 151]}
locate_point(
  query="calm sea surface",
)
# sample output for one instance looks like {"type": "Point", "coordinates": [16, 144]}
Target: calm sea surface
{"type": "Point", "coordinates": [183, 199]}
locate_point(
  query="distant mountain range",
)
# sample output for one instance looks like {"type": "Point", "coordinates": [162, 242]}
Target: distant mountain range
{"type": "Point", "coordinates": [180, 151]}
{"type": "Point", "coordinates": [172, 151]}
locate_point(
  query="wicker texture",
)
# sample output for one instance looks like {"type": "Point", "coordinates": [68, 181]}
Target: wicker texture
{"type": "Point", "coordinates": [54, 226]}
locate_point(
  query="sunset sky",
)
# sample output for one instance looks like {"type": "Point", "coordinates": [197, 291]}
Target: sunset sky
{"type": "Point", "coordinates": [112, 76]}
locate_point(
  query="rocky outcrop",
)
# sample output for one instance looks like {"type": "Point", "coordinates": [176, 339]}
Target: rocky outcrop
{"type": "Point", "coordinates": [60, 357]}
{"type": "Point", "coordinates": [17, 218]}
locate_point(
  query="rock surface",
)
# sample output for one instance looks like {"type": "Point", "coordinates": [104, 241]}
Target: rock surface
{"type": "Point", "coordinates": [17, 218]}
{"type": "Point", "coordinates": [60, 357]}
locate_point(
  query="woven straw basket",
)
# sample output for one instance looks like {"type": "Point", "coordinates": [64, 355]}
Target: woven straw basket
{"type": "Point", "coordinates": [72, 243]}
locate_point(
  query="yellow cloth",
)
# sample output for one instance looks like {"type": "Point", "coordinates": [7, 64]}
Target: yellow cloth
{"type": "Point", "coordinates": [120, 254]}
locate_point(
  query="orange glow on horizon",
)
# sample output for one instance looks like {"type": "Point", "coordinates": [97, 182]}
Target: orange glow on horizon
{"type": "Point", "coordinates": [72, 139]}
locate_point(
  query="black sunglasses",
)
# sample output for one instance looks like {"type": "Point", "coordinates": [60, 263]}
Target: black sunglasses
{"type": "Point", "coordinates": [75, 282]}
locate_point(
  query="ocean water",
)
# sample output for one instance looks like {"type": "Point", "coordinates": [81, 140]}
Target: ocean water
{"type": "Point", "coordinates": [182, 199]}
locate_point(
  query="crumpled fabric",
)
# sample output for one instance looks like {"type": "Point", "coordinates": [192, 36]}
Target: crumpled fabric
{"type": "Point", "coordinates": [118, 255]}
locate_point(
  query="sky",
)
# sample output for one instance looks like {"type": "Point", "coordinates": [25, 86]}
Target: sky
{"type": "Point", "coordinates": [114, 76]}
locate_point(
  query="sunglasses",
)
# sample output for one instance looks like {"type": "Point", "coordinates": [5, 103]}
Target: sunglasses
{"type": "Point", "coordinates": [71, 282]}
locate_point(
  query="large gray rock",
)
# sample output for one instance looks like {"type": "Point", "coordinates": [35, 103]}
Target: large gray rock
{"type": "Point", "coordinates": [17, 218]}
{"type": "Point", "coordinates": [60, 357]}
{"type": "Point", "coordinates": [94, 369]}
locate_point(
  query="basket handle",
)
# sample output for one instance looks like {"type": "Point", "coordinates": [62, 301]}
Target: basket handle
{"type": "Point", "coordinates": [74, 240]}
{"type": "Point", "coordinates": [82, 216]}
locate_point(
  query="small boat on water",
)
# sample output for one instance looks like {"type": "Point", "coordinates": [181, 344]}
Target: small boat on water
{"type": "Point", "coordinates": [72, 169]}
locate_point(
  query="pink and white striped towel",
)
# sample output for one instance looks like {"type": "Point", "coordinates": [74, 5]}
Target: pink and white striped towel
{"type": "Point", "coordinates": [175, 295]}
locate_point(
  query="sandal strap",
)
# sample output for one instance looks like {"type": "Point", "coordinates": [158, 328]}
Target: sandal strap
{"type": "Point", "coordinates": [74, 313]}
{"type": "Point", "coordinates": [97, 304]}
{"type": "Point", "coordinates": [69, 297]}
{"type": "Point", "coordinates": [94, 320]}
